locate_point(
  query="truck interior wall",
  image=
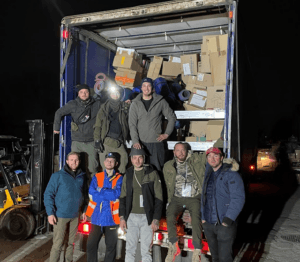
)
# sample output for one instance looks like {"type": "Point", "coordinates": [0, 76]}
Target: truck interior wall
{"type": "Point", "coordinates": [99, 60]}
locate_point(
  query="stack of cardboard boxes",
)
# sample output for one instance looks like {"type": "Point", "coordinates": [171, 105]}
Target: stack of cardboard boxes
{"type": "Point", "coordinates": [129, 70]}
{"type": "Point", "coordinates": [205, 78]}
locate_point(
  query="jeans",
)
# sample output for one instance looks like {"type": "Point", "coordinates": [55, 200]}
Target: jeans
{"type": "Point", "coordinates": [220, 240]}
{"type": "Point", "coordinates": [138, 228]}
{"type": "Point", "coordinates": [156, 153]}
{"type": "Point", "coordinates": [111, 239]}
{"type": "Point", "coordinates": [59, 231]}
{"type": "Point", "coordinates": [175, 207]}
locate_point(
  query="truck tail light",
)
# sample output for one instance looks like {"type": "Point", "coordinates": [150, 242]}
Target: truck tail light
{"type": "Point", "coordinates": [65, 34]}
{"type": "Point", "coordinates": [84, 228]}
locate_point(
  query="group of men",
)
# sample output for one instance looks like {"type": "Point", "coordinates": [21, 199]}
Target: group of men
{"type": "Point", "coordinates": [132, 198]}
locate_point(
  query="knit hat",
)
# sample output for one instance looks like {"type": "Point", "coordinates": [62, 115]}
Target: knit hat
{"type": "Point", "coordinates": [148, 80]}
{"type": "Point", "coordinates": [213, 150]}
{"type": "Point", "coordinates": [137, 152]}
{"type": "Point", "coordinates": [82, 86]}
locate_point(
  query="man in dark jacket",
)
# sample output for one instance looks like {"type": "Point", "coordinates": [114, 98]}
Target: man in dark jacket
{"type": "Point", "coordinates": [145, 121]}
{"type": "Point", "coordinates": [140, 205]}
{"type": "Point", "coordinates": [111, 128]}
{"type": "Point", "coordinates": [83, 111]}
{"type": "Point", "coordinates": [65, 195]}
{"type": "Point", "coordinates": [223, 197]}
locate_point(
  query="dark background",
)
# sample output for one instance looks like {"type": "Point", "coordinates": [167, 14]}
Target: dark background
{"type": "Point", "coordinates": [268, 47]}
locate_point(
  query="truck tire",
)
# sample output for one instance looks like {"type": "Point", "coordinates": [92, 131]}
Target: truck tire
{"type": "Point", "coordinates": [156, 253]}
{"type": "Point", "coordinates": [18, 223]}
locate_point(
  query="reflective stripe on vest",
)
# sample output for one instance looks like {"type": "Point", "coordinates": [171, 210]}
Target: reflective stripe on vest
{"type": "Point", "coordinates": [114, 205]}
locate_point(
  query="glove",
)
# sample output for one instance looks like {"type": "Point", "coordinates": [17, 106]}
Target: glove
{"type": "Point", "coordinates": [99, 146]}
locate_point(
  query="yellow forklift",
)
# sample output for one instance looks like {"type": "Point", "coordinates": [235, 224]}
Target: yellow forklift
{"type": "Point", "coordinates": [24, 174]}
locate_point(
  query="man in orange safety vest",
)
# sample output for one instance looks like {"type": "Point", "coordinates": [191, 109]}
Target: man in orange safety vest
{"type": "Point", "coordinates": [104, 193]}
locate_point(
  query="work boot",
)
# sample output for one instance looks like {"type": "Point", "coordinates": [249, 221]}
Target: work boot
{"type": "Point", "coordinates": [173, 251]}
{"type": "Point", "coordinates": [196, 255]}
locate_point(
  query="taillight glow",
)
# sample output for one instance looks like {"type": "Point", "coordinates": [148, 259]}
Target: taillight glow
{"type": "Point", "coordinates": [252, 167]}
{"type": "Point", "coordinates": [65, 34]}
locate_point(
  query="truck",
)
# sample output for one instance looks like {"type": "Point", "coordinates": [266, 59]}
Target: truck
{"type": "Point", "coordinates": [89, 43]}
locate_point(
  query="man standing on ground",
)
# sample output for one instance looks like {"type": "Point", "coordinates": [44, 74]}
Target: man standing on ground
{"type": "Point", "coordinates": [223, 197]}
{"type": "Point", "coordinates": [140, 205]}
{"type": "Point", "coordinates": [83, 110]}
{"type": "Point", "coordinates": [104, 192]}
{"type": "Point", "coordinates": [64, 196]}
{"type": "Point", "coordinates": [145, 121]}
{"type": "Point", "coordinates": [111, 128]}
{"type": "Point", "coordinates": [184, 178]}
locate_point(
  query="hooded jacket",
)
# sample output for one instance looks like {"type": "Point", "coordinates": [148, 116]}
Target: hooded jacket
{"type": "Point", "coordinates": [76, 108]}
{"type": "Point", "coordinates": [145, 126]}
{"type": "Point", "coordinates": [229, 193]}
{"type": "Point", "coordinates": [102, 121]}
{"type": "Point", "coordinates": [151, 190]}
{"type": "Point", "coordinates": [196, 163]}
{"type": "Point", "coordinates": [66, 194]}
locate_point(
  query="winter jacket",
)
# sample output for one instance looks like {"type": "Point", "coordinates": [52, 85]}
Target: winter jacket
{"type": "Point", "coordinates": [84, 132]}
{"type": "Point", "coordinates": [146, 126]}
{"type": "Point", "coordinates": [66, 194]}
{"type": "Point", "coordinates": [196, 163]}
{"type": "Point", "coordinates": [102, 122]}
{"type": "Point", "coordinates": [151, 190]}
{"type": "Point", "coordinates": [102, 215]}
{"type": "Point", "coordinates": [229, 192]}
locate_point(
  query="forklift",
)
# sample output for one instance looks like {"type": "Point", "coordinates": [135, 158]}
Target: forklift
{"type": "Point", "coordinates": [24, 174]}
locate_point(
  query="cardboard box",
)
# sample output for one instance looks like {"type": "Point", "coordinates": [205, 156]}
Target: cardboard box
{"type": "Point", "coordinates": [216, 97]}
{"type": "Point", "coordinates": [155, 67]}
{"type": "Point", "coordinates": [195, 139]}
{"type": "Point", "coordinates": [198, 128]}
{"type": "Point", "coordinates": [188, 107]}
{"type": "Point", "coordinates": [198, 101]}
{"type": "Point", "coordinates": [215, 43]}
{"type": "Point", "coordinates": [129, 59]}
{"type": "Point", "coordinates": [218, 63]}
{"type": "Point", "coordinates": [189, 64]}
{"type": "Point", "coordinates": [174, 59]}
{"type": "Point", "coordinates": [201, 79]}
{"type": "Point", "coordinates": [214, 129]}
{"type": "Point", "coordinates": [204, 65]}
{"type": "Point", "coordinates": [128, 78]}
{"type": "Point", "coordinates": [171, 69]}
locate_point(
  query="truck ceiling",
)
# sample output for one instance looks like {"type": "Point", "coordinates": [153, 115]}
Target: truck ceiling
{"type": "Point", "coordinates": [167, 28]}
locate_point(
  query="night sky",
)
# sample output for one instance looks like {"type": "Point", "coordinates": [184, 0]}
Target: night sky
{"type": "Point", "coordinates": [30, 57]}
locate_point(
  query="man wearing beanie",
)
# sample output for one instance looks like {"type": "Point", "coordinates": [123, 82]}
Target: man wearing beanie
{"type": "Point", "coordinates": [83, 111]}
{"type": "Point", "coordinates": [140, 205]}
{"type": "Point", "coordinates": [111, 128]}
{"type": "Point", "coordinates": [145, 121]}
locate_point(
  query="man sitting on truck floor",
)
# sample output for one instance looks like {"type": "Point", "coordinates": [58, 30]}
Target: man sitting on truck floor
{"type": "Point", "coordinates": [140, 205]}
{"type": "Point", "coordinates": [145, 120]}
{"type": "Point", "coordinates": [184, 177]}
{"type": "Point", "coordinates": [104, 192]}
{"type": "Point", "coordinates": [83, 110]}
{"type": "Point", "coordinates": [223, 197]}
{"type": "Point", "coordinates": [111, 128]}
{"type": "Point", "coordinates": [64, 196]}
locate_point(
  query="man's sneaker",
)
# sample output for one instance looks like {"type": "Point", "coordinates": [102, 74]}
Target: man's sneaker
{"type": "Point", "coordinates": [173, 251]}
{"type": "Point", "coordinates": [196, 255]}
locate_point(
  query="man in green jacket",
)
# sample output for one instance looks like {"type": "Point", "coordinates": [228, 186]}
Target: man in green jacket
{"type": "Point", "coordinates": [111, 128]}
{"type": "Point", "coordinates": [184, 178]}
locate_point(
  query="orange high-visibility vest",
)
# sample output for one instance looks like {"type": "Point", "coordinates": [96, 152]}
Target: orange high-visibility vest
{"type": "Point", "coordinates": [114, 205]}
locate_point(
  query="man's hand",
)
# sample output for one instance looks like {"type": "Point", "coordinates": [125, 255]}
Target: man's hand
{"type": "Point", "coordinates": [137, 146]}
{"type": "Point", "coordinates": [99, 146]}
{"type": "Point", "coordinates": [203, 221]}
{"type": "Point", "coordinates": [162, 137]}
{"type": "Point", "coordinates": [83, 217]}
{"type": "Point", "coordinates": [123, 225]}
{"type": "Point", "coordinates": [55, 132]}
{"type": "Point", "coordinates": [52, 220]}
{"type": "Point", "coordinates": [128, 101]}
{"type": "Point", "coordinates": [155, 225]}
